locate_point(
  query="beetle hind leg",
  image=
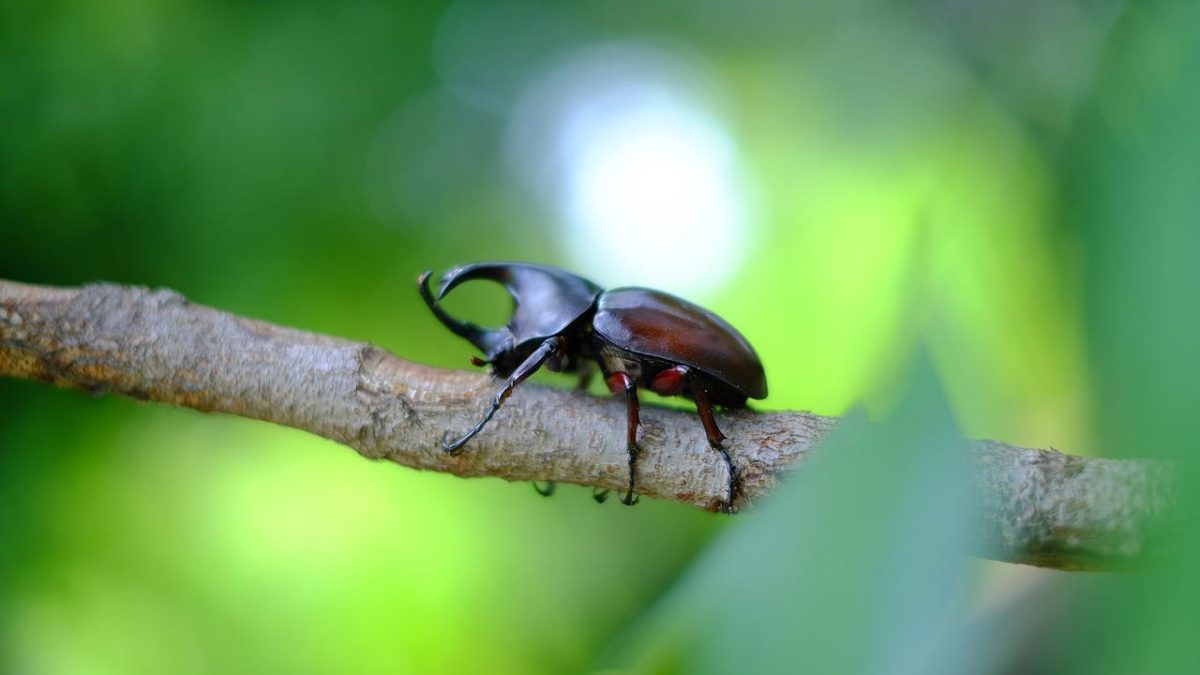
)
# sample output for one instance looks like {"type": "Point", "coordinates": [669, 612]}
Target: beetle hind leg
{"type": "Point", "coordinates": [715, 438]}
{"type": "Point", "coordinates": [622, 382]}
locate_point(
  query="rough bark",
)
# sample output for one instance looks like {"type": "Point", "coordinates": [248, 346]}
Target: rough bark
{"type": "Point", "coordinates": [1038, 507]}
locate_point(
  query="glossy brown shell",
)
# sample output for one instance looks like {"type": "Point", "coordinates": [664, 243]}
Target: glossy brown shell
{"type": "Point", "coordinates": [660, 325]}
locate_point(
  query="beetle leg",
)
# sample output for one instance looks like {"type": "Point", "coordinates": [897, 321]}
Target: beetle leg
{"type": "Point", "coordinates": [528, 367]}
{"type": "Point", "coordinates": [585, 379]}
{"type": "Point", "coordinates": [704, 408]}
{"type": "Point", "coordinates": [620, 381]}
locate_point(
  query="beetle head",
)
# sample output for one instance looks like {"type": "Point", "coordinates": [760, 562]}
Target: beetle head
{"type": "Point", "coordinates": [546, 300]}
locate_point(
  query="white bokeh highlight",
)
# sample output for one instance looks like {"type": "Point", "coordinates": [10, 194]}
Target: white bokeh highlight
{"type": "Point", "coordinates": [643, 179]}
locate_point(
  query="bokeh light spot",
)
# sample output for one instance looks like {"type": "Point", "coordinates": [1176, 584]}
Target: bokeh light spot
{"type": "Point", "coordinates": [623, 146]}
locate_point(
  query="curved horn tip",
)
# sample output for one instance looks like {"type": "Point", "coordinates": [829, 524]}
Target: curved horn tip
{"type": "Point", "coordinates": [454, 276]}
{"type": "Point", "coordinates": [449, 279]}
{"type": "Point", "coordinates": [423, 288]}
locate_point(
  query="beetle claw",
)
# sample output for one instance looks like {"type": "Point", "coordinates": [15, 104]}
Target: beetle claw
{"type": "Point", "coordinates": [450, 447]}
{"type": "Point", "coordinates": [546, 491]}
{"type": "Point", "coordinates": [629, 499]}
{"type": "Point", "coordinates": [735, 480]}
{"type": "Point", "coordinates": [600, 496]}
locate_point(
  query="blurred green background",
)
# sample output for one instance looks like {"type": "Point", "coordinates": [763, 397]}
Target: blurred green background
{"type": "Point", "coordinates": [946, 217]}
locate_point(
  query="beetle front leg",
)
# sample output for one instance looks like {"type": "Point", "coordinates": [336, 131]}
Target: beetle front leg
{"type": "Point", "coordinates": [622, 382]}
{"type": "Point", "coordinates": [715, 437]}
{"type": "Point", "coordinates": [528, 367]}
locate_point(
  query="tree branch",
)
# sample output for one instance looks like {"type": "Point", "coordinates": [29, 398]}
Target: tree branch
{"type": "Point", "coordinates": [1038, 507]}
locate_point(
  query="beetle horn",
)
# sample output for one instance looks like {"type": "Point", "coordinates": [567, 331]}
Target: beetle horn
{"type": "Point", "coordinates": [545, 301]}
{"type": "Point", "coordinates": [490, 342]}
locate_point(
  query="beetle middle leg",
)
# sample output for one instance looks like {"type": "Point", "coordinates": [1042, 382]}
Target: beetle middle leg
{"type": "Point", "coordinates": [621, 382]}
{"type": "Point", "coordinates": [585, 378]}
{"type": "Point", "coordinates": [528, 367]}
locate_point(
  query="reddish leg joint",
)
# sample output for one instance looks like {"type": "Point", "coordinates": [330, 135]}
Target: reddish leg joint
{"type": "Point", "coordinates": [619, 382]}
{"type": "Point", "coordinates": [669, 382]}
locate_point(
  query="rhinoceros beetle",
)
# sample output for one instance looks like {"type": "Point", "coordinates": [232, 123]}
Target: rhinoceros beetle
{"type": "Point", "coordinates": [639, 338]}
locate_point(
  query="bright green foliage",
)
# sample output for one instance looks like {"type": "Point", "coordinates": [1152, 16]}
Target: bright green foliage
{"type": "Point", "coordinates": [954, 218]}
